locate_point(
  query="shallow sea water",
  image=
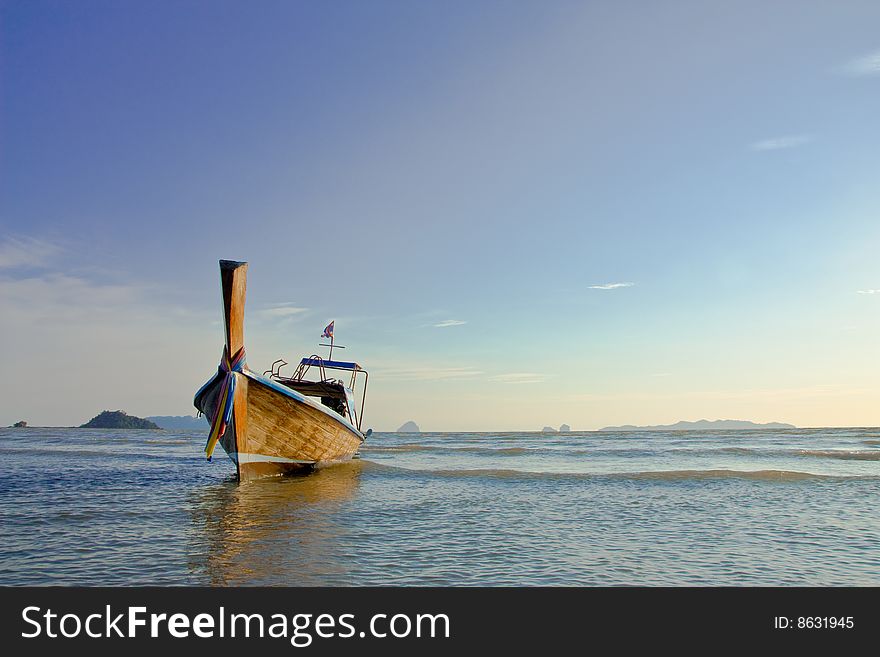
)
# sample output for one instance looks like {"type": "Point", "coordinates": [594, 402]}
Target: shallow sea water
{"type": "Point", "coordinates": [781, 507]}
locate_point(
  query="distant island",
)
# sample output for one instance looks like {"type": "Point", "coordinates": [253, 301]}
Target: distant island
{"type": "Point", "coordinates": [563, 428]}
{"type": "Point", "coordinates": [118, 420]}
{"type": "Point", "coordinates": [702, 425]}
{"type": "Point", "coordinates": [176, 422]}
{"type": "Point", "coordinates": [409, 427]}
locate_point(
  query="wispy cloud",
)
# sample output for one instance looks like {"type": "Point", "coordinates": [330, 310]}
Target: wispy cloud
{"type": "Point", "coordinates": [610, 286]}
{"type": "Point", "coordinates": [25, 252]}
{"type": "Point", "coordinates": [62, 299]}
{"type": "Point", "coordinates": [778, 143]}
{"type": "Point", "coordinates": [450, 322]}
{"type": "Point", "coordinates": [519, 377]}
{"type": "Point", "coordinates": [428, 373]}
{"type": "Point", "coordinates": [870, 291]}
{"type": "Point", "coordinates": [861, 66]}
{"type": "Point", "coordinates": [283, 310]}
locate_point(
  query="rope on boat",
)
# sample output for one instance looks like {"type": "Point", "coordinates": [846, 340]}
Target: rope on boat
{"type": "Point", "coordinates": [223, 412]}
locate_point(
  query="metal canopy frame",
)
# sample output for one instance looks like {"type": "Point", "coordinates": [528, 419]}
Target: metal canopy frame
{"type": "Point", "coordinates": [323, 365]}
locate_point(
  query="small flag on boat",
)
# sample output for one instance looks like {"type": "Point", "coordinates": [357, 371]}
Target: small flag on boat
{"type": "Point", "coordinates": [328, 330]}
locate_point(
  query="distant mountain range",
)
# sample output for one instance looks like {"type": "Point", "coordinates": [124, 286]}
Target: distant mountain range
{"type": "Point", "coordinates": [172, 422]}
{"type": "Point", "coordinates": [702, 425]}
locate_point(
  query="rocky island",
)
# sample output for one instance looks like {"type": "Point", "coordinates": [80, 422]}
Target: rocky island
{"type": "Point", "coordinates": [118, 420]}
{"type": "Point", "coordinates": [563, 428]}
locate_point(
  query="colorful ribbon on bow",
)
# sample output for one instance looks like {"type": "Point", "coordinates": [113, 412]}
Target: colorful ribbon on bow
{"type": "Point", "coordinates": [226, 400]}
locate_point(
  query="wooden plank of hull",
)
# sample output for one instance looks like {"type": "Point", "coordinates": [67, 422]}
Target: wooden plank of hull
{"type": "Point", "coordinates": [289, 432]}
{"type": "Point", "coordinates": [273, 433]}
{"type": "Point", "coordinates": [240, 421]}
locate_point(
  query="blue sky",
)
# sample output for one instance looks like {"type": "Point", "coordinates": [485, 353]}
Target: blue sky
{"type": "Point", "coordinates": [465, 188]}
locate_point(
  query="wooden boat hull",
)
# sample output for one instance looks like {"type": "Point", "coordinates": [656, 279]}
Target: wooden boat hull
{"type": "Point", "coordinates": [275, 430]}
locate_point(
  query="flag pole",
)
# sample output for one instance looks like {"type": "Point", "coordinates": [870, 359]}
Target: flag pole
{"type": "Point", "coordinates": [328, 333]}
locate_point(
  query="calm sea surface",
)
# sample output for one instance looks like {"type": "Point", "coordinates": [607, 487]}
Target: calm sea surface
{"type": "Point", "coordinates": [787, 507]}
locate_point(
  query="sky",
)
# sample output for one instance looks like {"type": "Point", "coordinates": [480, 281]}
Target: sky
{"type": "Point", "coordinates": [519, 214]}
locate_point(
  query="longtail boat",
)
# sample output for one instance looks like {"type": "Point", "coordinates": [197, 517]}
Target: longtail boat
{"type": "Point", "coordinates": [274, 425]}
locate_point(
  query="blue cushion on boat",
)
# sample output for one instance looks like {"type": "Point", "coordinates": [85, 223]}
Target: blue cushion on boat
{"type": "Point", "coordinates": [338, 364]}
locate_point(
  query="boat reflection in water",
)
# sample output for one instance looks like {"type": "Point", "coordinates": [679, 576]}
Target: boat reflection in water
{"type": "Point", "coordinates": [282, 531]}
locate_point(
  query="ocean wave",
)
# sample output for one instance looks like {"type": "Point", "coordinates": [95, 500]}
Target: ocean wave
{"type": "Point", "coordinates": [81, 453]}
{"type": "Point", "coordinates": [767, 475]}
{"type": "Point", "coordinates": [659, 475]}
{"type": "Point", "coordinates": [844, 455]}
{"type": "Point", "coordinates": [168, 441]}
{"type": "Point", "coordinates": [628, 452]}
{"type": "Point", "coordinates": [399, 448]}
{"type": "Point", "coordinates": [840, 454]}
{"type": "Point", "coordinates": [489, 451]}
{"type": "Point", "coordinates": [745, 451]}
